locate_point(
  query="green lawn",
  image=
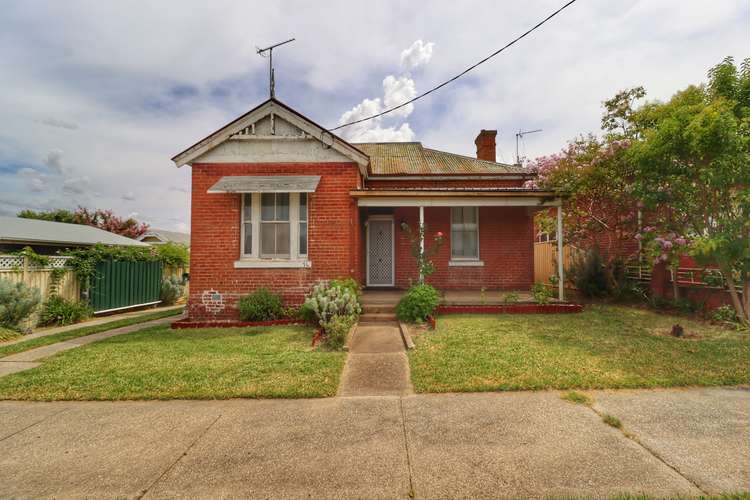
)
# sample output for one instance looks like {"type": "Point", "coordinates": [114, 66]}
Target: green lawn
{"type": "Point", "coordinates": [160, 363]}
{"type": "Point", "coordinates": [7, 350]}
{"type": "Point", "coordinates": [603, 347]}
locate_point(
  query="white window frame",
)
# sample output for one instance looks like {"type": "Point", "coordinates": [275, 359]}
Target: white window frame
{"type": "Point", "coordinates": [252, 259]}
{"type": "Point", "coordinates": [462, 260]}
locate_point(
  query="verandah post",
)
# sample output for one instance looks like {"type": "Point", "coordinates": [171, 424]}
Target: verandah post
{"type": "Point", "coordinates": [560, 255]}
{"type": "Point", "coordinates": [421, 243]}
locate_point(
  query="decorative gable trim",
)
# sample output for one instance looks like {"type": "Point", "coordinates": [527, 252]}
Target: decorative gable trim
{"type": "Point", "coordinates": [243, 129]}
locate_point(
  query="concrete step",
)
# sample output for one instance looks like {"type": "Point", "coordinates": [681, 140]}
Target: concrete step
{"type": "Point", "coordinates": [377, 318]}
{"type": "Point", "coordinates": [378, 308]}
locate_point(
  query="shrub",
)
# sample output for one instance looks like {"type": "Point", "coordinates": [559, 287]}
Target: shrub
{"type": "Point", "coordinates": [171, 291]}
{"type": "Point", "coordinates": [511, 298]}
{"type": "Point", "coordinates": [419, 302]}
{"type": "Point", "coordinates": [338, 328]}
{"type": "Point", "coordinates": [307, 313]}
{"type": "Point", "coordinates": [349, 284]}
{"type": "Point", "coordinates": [17, 303]}
{"type": "Point", "coordinates": [260, 306]}
{"type": "Point", "coordinates": [541, 293]}
{"type": "Point", "coordinates": [173, 254]}
{"type": "Point", "coordinates": [8, 334]}
{"type": "Point", "coordinates": [327, 301]}
{"type": "Point", "coordinates": [59, 311]}
{"type": "Point", "coordinates": [725, 315]}
{"type": "Point", "coordinates": [589, 275]}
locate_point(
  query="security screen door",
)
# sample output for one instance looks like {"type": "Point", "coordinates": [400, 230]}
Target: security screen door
{"type": "Point", "coordinates": [380, 252]}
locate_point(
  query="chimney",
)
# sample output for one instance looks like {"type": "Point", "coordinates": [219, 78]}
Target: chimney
{"type": "Point", "coordinates": [485, 142]}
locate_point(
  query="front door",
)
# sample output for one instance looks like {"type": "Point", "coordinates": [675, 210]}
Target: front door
{"type": "Point", "coordinates": [380, 251]}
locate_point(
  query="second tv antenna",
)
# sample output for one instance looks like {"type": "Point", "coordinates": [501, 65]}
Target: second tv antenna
{"type": "Point", "coordinates": [519, 135]}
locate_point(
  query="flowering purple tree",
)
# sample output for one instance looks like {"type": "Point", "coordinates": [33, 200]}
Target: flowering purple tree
{"type": "Point", "coordinates": [600, 210]}
{"type": "Point", "coordinates": [666, 248]}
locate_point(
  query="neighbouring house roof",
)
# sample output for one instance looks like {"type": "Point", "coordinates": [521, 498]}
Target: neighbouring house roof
{"type": "Point", "coordinates": [266, 184]}
{"type": "Point", "coordinates": [158, 236]}
{"type": "Point", "coordinates": [411, 158]}
{"type": "Point", "coordinates": [32, 231]}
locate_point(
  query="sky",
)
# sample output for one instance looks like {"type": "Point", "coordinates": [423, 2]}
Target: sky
{"type": "Point", "coordinates": [98, 96]}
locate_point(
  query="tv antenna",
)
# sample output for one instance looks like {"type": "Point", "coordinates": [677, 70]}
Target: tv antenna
{"type": "Point", "coordinates": [261, 53]}
{"type": "Point", "coordinates": [519, 135]}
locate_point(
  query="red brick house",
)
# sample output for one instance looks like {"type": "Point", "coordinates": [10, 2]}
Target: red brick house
{"type": "Point", "coordinates": [279, 202]}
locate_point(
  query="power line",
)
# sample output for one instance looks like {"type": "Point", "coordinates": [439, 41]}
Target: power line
{"type": "Point", "coordinates": [424, 94]}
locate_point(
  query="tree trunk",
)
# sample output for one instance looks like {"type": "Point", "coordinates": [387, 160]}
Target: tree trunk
{"type": "Point", "coordinates": [742, 311]}
{"type": "Point", "coordinates": [675, 286]}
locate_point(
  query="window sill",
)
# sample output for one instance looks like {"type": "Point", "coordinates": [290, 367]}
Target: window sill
{"type": "Point", "coordinates": [272, 264]}
{"type": "Point", "coordinates": [466, 263]}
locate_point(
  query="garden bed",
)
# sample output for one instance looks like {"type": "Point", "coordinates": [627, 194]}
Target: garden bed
{"type": "Point", "coordinates": [511, 309]}
{"type": "Point", "coordinates": [188, 323]}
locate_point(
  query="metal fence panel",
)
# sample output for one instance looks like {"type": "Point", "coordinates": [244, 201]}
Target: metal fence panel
{"type": "Point", "coordinates": [121, 284]}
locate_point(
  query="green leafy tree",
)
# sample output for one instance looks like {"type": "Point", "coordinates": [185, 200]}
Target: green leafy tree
{"type": "Point", "coordinates": [692, 170]}
{"type": "Point", "coordinates": [57, 215]}
{"type": "Point", "coordinates": [103, 219]}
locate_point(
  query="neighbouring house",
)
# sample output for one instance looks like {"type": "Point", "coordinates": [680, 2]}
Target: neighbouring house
{"type": "Point", "coordinates": [47, 237]}
{"type": "Point", "coordinates": [161, 236]}
{"type": "Point", "coordinates": [280, 202]}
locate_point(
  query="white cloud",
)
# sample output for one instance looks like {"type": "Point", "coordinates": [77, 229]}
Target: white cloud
{"type": "Point", "coordinates": [77, 185]}
{"type": "Point", "coordinates": [404, 133]}
{"type": "Point", "coordinates": [37, 184]}
{"type": "Point", "coordinates": [54, 122]}
{"type": "Point", "coordinates": [54, 160]}
{"type": "Point", "coordinates": [396, 91]}
{"type": "Point", "coordinates": [129, 196]}
{"type": "Point", "coordinates": [417, 55]}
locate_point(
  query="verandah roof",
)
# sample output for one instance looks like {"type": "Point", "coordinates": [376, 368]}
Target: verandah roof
{"type": "Point", "coordinates": [451, 197]}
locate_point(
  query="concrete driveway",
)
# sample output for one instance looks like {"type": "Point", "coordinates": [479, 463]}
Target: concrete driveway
{"type": "Point", "coordinates": [685, 442]}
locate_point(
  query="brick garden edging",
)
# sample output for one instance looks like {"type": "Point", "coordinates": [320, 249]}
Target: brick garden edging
{"type": "Point", "coordinates": [187, 323]}
{"type": "Point", "coordinates": [512, 309]}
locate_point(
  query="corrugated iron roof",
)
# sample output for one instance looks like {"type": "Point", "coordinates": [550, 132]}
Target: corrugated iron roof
{"type": "Point", "coordinates": [18, 230]}
{"type": "Point", "coordinates": [411, 158]}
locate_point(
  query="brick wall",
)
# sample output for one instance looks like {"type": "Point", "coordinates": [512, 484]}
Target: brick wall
{"type": "Point", "coordinates": [506, 246]}
{"type": "Point", "coordinates": [334, 243]}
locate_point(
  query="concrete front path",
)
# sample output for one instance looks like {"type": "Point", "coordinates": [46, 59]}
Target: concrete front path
{"type": "Point", "coordinates": [684, 442]}
{"type": "Point", "coordinates": [30, 359]}
{"type": "Point", "coordinates": [377, 364]}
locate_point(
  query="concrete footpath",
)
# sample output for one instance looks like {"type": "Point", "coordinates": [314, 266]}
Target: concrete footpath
{"type": "Point", "coordinates": [30, 359]}
{"type": "Point", "coordinates": [676, 442]}
{"type": "Point", "coordinates": [377, 364]}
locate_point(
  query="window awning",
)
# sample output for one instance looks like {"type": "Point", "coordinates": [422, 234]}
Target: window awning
{"type": "Point", "coordinates": [266, 184]}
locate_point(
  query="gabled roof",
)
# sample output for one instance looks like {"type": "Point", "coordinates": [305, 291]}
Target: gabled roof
{"type": "Point", "coordinates": [167, 236]}
{"type": "Point", "coordinates": [271, 107]}
{"type": "Point", "coordinates": [411, 158]}
{"type": "Point", "coordinates": [18, 230]}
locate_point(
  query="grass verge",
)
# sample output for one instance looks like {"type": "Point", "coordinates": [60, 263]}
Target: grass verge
{"type": "Point", "coordinates": [160, 363]}
{"type": "Point", "coordinates": [604, 347]}
{"type": "Point", "coordinates": [577, 398]}
{"type": "Point", "coordinates": [7, 350]}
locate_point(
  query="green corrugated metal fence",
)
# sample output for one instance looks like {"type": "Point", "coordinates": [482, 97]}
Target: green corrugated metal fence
{"type": "Point", "coordinates": [119, 284]}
